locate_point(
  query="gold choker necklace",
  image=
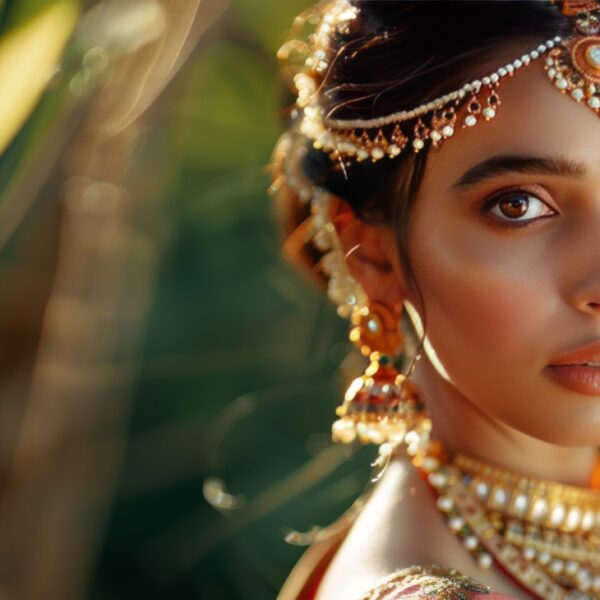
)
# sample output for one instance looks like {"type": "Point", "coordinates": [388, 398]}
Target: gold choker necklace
{"type": "Point", "coordinates": [545, 534]}
{"type": "Point", "coordinates": [564, 507]}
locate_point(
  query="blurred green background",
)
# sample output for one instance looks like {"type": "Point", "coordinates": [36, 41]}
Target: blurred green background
{"type": "Point", "coordinates": [236, 372]}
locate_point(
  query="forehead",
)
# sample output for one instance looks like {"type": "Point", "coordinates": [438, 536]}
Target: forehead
{"type": "Point", "coordinates": [534, 119]}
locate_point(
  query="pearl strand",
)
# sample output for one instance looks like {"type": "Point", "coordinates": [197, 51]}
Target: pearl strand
{"type": "Point", "coordinates": [473, 86]}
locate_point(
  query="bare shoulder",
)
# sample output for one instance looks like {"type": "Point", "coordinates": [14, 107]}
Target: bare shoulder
{"type": "Point", "coordinates": [431, 583]}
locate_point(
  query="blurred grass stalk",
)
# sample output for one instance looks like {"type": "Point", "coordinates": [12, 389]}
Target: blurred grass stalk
{"type": "Point", "coordinates": [70, 149]}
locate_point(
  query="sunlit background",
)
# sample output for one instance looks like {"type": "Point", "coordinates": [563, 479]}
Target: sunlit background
{"type": "Point", "coordinates": [167, 380]}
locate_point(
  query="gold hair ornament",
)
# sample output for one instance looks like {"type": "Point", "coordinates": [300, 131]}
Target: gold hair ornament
{"type": "Point", "coordinates": [573, 65]}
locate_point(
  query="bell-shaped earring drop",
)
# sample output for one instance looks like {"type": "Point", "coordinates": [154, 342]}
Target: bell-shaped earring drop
{"type": "Point", "coordinates": [382, 405]}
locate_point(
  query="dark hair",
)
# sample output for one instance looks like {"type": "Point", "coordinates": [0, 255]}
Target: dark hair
{"type": "Point", "coordinates": [397, 55]}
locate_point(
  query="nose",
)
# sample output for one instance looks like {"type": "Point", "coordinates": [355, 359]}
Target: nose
{"type": "Point", "coordinates": [586, 298]}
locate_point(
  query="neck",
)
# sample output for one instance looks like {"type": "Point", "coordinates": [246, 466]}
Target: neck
{"type": "Point", "coordinates": [461, 426]}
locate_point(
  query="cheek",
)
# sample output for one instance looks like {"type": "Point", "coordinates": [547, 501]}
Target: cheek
{"type": "Point", "coordinates": [488, 307]}
{"type": "Point", "coordinates": [492, 317]}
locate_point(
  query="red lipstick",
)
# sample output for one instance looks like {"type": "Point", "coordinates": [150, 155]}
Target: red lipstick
{"type": "Point", "coordinates": [579, 369]}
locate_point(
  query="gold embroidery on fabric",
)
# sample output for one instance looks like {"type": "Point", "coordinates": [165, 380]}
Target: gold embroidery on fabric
{"type": "Point", "coordinates": [418, 583]}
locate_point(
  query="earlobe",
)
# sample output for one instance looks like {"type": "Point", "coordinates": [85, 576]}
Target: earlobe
{"type": "Point", "coordinates": [371, 255]}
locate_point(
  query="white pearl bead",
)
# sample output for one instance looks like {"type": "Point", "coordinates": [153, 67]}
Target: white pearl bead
{"type": "Point", "coordinates": [489, 113]}
{"type": "Point", "coordinates": [375, 436]}
{"type": "Point", "coordinates": [482, 490]}
{"type": "Point", "coordinates": [550, 44]}
{"type": "Point", "coordinates": [386, 449]}
{"type": "Point", "coordinates": [444, 503]}
{"type": "Point", "coordinates": [528, 553]}
{"type": "Point", "coordinates": [556, 566]}
{"type": "Point", "coordinates": [377, 153]}
{"type": "Point", "coordinates": [470, 120]}
{"type": "Point", "coordinates": [447, 131]}
{"type": "Point", "coordinates": [484, 560]}
{"type": "Point", "coordinates": [502, 72]}
{"type": "Point", "coordinates": [557, 515]}
{"type": "Point", "coordinates": [343, 431]}
{"type": "Point", "coordinates": [587, 521]}
{"type": "Point", "coordinates": [594, 102]}
{"type": "Point", "coordinates": [520, 503]}
{"type": "Point", "coordinates": [486, 81]}
{"type": "Point", "coordinates": [494, 77]}
{"type": "Point", "coordinates": [418, 144]}
{"type": "Point", "coordinates": [470, 542]}
{"type": "Point", "coordinates": [544, 557]}
{"type": "Point", "coordinates": [430, 463]}
{"type": "Point", "coordinates": [561, 83]}
{"type": "Point", "coordinates": [571, 567]}
{"type": "Point", "coordinates": [437, 480]}
{"type": "Point", "coordinates": [584, 580]}
{"type": "Point", "coordinates": [362, 154]}
{"type": "Point", "coordinates": [347, 148]}
{"type": "Point", "coordinates": [534, 54]}
{"type": "Point", "coordinates": [517, 64]}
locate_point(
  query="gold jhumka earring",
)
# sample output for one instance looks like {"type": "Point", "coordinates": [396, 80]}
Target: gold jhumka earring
{"type": "Point", "coordinates": [546, 535]}
{"type": "Point", "coordinates": [381, 405]}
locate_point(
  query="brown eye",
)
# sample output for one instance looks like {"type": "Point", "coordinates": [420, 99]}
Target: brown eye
{"type": "Point", "coordinates": [514, 207]}
{"type": "Point", "coordinates": [518, 207]}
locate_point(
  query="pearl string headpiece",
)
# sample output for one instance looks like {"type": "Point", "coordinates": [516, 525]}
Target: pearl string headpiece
{"type": "Point", "coordinates": [573, 65]}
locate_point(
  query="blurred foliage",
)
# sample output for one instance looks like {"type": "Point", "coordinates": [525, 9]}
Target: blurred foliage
{"type": "Point", "coordinates": [34, 34]}
{"type": "Point", "coordinates": [238, 376]}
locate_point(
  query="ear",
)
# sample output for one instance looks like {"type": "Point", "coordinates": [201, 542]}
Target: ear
{"type": "Point", "coordinates": [371, 255]}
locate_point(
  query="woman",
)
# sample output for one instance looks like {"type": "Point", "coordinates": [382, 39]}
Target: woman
{"type": "Point", "coordinates": [445, 159]}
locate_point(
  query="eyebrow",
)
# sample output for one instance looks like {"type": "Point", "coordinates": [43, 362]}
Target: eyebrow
{"type": "Point", "coordinates": [503, 164]}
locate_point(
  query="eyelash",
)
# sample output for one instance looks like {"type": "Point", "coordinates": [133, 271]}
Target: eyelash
{"type": "Point", "coordinates": [507, 223]}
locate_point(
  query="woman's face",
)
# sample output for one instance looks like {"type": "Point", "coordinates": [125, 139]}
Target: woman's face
{"type": "Point", "coordinates": [509, 265]}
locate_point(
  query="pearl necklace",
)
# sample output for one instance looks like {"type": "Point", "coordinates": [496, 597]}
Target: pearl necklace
{"type": "Point", "coordinates": [556, 559]}
{"type": "Point", "coordinates": [564, 507]}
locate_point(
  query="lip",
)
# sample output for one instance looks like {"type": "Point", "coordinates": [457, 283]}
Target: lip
{"type": "Point", "coordinates": [588, 353]}
{"type": "Point", "coordinates": [570, 369]}
{"type": "Point", "coordinates": [579, 378]}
